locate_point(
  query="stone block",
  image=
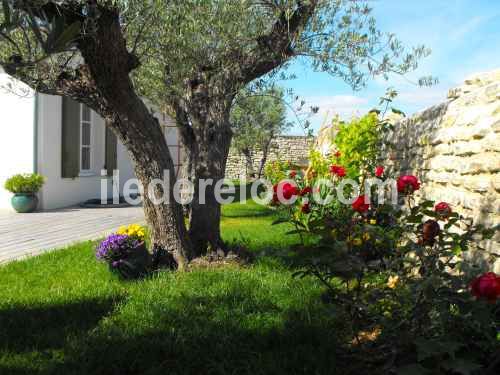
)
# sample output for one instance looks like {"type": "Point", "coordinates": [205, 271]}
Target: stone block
{"type": "Point", "coordinates": [488, 162]}
{"type": "Point", "coordinates": [478, 183]}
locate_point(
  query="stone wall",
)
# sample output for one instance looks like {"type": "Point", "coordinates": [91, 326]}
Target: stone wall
{"type": "Point", "coordinates": [286, 148]}
{"type": "Point", "coordinates": [454, 148]}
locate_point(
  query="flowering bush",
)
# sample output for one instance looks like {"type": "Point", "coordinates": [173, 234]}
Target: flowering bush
{"type": "Point", "coordinates": [125, 252]}
{"type": "Point", "coordinates": [400, 271]}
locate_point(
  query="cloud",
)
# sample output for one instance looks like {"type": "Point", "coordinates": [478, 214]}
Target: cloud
{"type": "Point", "coordinates": [422, 97]}
{"type": "Point", "coordinates": [458, 34]}
{"type": "Point", "coordinates": [344, 105]}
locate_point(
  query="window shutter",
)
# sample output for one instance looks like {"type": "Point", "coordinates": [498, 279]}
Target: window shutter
{"type": "Point", "coordinates": [70, 138]}
{"type": "Point", "coordinates": [111, 152]}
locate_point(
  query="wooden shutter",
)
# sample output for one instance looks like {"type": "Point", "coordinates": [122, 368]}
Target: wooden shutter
{"type": "Point", "coordinates": [70, 138]}
{"type": "Point", "coordinates": [111, 152]}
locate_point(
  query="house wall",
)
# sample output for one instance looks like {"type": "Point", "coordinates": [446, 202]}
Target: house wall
{"type": "Point", "coordinates": [16, 141]}
{"type": "Point", "coordinates": [63, 192]}
{"type": "Point", "coordinates": [57, 191]}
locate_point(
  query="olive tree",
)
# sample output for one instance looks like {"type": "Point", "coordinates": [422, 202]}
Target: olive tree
{"type": "Point", "coordinates": [206, 51]}
{"type": "Point", "coordinates": [79, 49]}
{"type": "Point", "coordinates": [191, 57]}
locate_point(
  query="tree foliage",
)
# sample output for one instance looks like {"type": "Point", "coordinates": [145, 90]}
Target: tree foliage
{"type": "Point", "coordinates": [256, 119]}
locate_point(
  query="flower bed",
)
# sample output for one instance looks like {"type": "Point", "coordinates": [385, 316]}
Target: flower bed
{"type": "Point", "coordinates": [125, 252]}
{"type": "Point", "coordinates": [397, 270]}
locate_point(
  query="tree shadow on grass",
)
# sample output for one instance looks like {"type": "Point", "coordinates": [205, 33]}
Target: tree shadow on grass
{"type": "Point", "coordinates": [24, 329]}
{"type": "Point", "coordinates": [212, 335]}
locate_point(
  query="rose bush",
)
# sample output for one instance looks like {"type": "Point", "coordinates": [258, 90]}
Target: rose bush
{"type": "Point", "coordinates": [398, 270]}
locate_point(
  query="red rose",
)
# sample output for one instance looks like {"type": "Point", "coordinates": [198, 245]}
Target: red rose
{"type": "Point", "coordinates": [360, 205]}
{"type": "Point", "coordinates": [305, 208]}
{"type": "Point", "coordinates": [443, 209]}
{"type": "Point", "coordinates": [305, 191]}
{"type": "Point", "coordinates": [288, 190]}
{"type": "Point", "coordinates": [408, 184]}
{"type": "Point", "coordinates": [337, 170]}
{"type": "Point", "coordinates": [430, 230]}
{"type": "Point", "coordinates": [486, 286]}
{"type": "Point", "coordinates": [379, 171]}
{"type": "Point", "coordinates": [293, 174]}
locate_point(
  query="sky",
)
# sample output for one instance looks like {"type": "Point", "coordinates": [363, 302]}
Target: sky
{"type": "Point", "coordinates": [464, 36]}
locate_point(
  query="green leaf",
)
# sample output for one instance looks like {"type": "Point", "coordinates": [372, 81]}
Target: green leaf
{"type": "Point", "coordinates": [67, 36]}
{"type": "Point", "coordinates": [295, 231]}
{"type": "Point", "coordinates": [398, 112]}
{"type": "Point", "coordinates": [280, 220]}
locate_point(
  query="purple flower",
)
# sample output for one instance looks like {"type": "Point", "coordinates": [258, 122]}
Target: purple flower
{"type": "Point", "coordinates": [113, 247]}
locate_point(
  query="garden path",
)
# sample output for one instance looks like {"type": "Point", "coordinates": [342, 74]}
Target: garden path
{"type": "Point", "coordinates": [23, 235]}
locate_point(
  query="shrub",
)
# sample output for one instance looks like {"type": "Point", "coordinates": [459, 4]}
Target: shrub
{"type": "Point", "coordinates": [276, 171]}
{"type": "Point", "coordinates": [358, 143]}
{"type": "Point", "coordinates": [24, 183]}
{"type": "Point", "coordinates": [397, 274]}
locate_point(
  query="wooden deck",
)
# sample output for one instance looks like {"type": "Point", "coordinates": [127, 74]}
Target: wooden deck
{"type": "Point", "coordinates": [23, 235]}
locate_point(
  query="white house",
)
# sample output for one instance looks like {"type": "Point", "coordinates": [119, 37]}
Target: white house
{"type": "Point", "coordinates": [64, 141]}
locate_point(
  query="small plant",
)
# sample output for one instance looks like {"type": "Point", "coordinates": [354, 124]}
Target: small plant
{"type": "Point", "coordinates": [134, 231]}
{"type": "Point", "coordinates": [277, 170]}
{"type": "Point", "coordinates": [28, 183]}
{"type": "Point", "coordinates": [125, 252]}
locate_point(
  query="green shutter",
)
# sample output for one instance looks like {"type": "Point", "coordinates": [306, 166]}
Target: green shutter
{"type": "Point", "coordinates": [111, 152]}
{"type": "Point", "coordinates": [70, 161]}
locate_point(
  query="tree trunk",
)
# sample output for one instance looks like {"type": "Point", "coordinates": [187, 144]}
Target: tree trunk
{"type": "Point", "coordinates": [213, 141]}
{"type": "Point", "coordinates": [110, 64]}
{"type": "Point", "coordinates": [249, 161]}
{"type": "Point", "coordinates": [265, 153]}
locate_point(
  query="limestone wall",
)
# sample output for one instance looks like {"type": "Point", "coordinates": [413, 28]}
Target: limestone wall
{"type": "Point", "coordinates": [454, 148]}
{"type": "Point", "coordinates": [286, 148]}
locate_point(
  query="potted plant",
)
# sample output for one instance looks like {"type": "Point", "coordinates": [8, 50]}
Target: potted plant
{"type": "Point", "coordinates": [24, 187]}
{"type": "Point", "coordinates": [125, 252]}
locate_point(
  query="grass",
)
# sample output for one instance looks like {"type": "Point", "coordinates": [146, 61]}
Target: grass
{"type": "Point", "coordinates": [64, 313]}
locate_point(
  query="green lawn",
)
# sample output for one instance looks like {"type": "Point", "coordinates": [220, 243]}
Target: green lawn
{"type": "Point", "coordinates": [64, 313]}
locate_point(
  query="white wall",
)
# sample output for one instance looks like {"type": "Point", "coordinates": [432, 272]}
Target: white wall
{"type": "Point", "coordinates": [16, 139]}
{"type": "Point", "coordinates": [63, 192]}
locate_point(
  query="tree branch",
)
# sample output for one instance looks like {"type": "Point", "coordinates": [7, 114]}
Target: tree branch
{"type": "Point", "coordinates": [276, 47]}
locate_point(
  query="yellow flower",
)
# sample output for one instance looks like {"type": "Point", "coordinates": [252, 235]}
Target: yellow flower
{"type": "Point", "coordinates": [122, 230]}
{"type": "Point", "coordinates": [392, 282]}
{"type": "Point", "coordinates": [134, 230]}
{"type": "Point", "coordinates": [366, 236]}
{"type": "Point", "coordinates": [357, 241]}
{"type": "Point", "coordinates": [373, 221]}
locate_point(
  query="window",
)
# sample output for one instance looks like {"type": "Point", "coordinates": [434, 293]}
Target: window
{"type": "Point", "coordinates": [85, 139]}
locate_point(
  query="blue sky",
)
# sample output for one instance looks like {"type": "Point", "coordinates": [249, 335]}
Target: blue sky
{"type": "Point", "coordinates": [464, 36]}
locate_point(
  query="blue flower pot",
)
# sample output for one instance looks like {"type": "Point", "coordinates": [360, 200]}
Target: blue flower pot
{"type": "Point", "coordinates": [24, 203]}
